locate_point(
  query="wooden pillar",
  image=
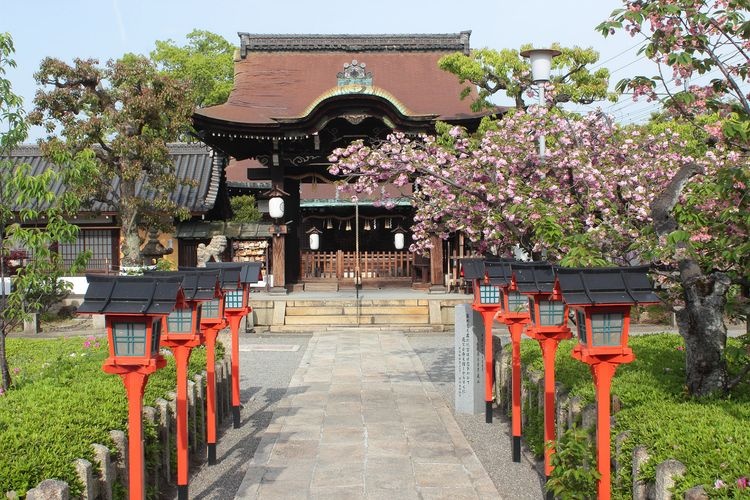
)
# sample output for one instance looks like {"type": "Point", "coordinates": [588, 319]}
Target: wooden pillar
{"type": "Point", "coordinates": [436, 264]}
{"type": "Point", "coordinates": [278, 256]}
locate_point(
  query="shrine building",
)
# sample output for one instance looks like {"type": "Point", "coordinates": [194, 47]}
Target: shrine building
{"type": "Point", "coordinates": [296, 98]}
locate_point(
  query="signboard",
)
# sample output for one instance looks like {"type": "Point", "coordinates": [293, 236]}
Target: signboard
{"type": "Point", "coordinates": [469, 360]}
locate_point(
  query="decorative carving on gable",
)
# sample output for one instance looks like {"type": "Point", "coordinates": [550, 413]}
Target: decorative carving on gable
{"type": "Point", "coordinates": [354, 74]}
{"type": "Point", "coordinates": [354, 119]}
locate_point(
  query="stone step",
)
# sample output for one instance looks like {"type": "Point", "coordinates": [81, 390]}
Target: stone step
{"type": "Point", "coordinates": [321, 286]}
{"type": "Point", "coordinates": [362, 319]}
{"type": "Point", "coordinates": [346, 309]}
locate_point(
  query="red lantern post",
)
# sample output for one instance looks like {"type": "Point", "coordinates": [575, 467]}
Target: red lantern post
{"type": "Point", "coordinates": [549, 325]}
{"type": "Point", "coordinates": [237, 307]}
{"type": "Point", "coordinates": [181, 333]}
{"type": "Point", "coordinates": [134, 308]}
{"type": "Point", "coordinates": [487, 302]}
{"type": "Point", "coordinates": [602, 299]}
{"type": "Point", "coordinates": [212, 322]}
{"type": "Point", "coordinates": [515, 314]}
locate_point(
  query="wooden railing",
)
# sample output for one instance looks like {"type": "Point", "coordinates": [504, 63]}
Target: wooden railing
{"type": "Point", "coordinates": [342, 265]}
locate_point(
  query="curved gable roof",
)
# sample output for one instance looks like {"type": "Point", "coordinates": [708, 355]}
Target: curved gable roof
{"type": "Point", "coordinates": [280, 78]}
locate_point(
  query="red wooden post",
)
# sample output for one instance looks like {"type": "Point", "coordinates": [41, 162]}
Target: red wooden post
{"type": "Point", "coordinates": [135, 383]}
{"type": "Point", "coordinates": [182, 357]}
{"type": "Point", "coordinates": [210, 333]}
{"type": "Point", "coordinates": [234, 326]}
{"type": "Point", "coordinates": [603, 373]}
{"type": "Point", "coordinates": [549, 348]}
{"type": "Point", "coordinates": [516, 324]}
{"type": "Point", "coordinates": [488, 316]}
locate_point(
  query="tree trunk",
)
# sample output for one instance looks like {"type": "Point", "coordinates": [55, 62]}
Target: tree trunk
{"type": "Point", "coordinates": [701, 324]}
{"type": "Point", "coordinates": [131, 242]}
{"type": "Point", "coordinates": [4, 364]}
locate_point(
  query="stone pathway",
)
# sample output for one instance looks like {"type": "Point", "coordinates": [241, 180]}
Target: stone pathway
{"type": "Point", "coordinates": [361, 420]}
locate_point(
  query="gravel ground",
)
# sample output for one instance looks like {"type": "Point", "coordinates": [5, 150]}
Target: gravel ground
{"type": "Point", "coordinates": [490, 442]}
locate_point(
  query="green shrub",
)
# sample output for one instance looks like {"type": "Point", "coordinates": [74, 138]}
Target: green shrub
{"type": "Point", "coordinates": [60, 403]}
{"type": "Point", "coordinates": [709, 436]}
{"type": "Point", "coordinates": [574, 474]}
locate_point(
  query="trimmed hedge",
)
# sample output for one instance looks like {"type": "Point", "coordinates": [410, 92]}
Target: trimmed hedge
{"type": "Point", "coordinates": [60, 403]}
{"type": "Point", "coordinates": [711, 437]}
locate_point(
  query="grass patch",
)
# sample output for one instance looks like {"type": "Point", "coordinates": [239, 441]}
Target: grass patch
{"type": "Point", "coordinates": [60, 403]}
{"type": "Point", "coordinates": [709, 436]}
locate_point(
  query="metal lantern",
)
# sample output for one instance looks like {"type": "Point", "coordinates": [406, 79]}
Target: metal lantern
{"type": "Point", "coordinates": [236, 280]}
{"type": "Point", "coordinates": [133, 307]}
{"type": "Point", "coordinates": [549, 325]}
{"type": "Point", "coordinates": [602, 299]}
{"type": "Point", "coordinates": [536, 281]}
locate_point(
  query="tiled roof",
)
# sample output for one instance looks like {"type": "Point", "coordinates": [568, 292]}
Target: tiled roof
{"type": "Point", "coordinates": [282, 79]}
{"type": "Point", "coordinates": [606, 285]}
{"type": "Point", "coordinates": [453, 42]}
{"type": "Point", "coordinates": [193, 162]}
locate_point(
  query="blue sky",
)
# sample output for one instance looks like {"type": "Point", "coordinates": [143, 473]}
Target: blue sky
{"type": "Point", "coordinates": [106, 29]}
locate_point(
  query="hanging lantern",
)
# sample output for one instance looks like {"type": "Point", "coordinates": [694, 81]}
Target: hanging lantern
{"type": "Point", "coordinates": [314, 235]}
{"type": "Point", "coordinates": [367, 225]}
{"type": "Point", "coordinates": [348, 226]}
{"type": "Point", "coordinates": [276, 202]}
{"type": "Point", "coordinates": [398, 238]}
{"type": "Point", "coordinates": [329, 223]}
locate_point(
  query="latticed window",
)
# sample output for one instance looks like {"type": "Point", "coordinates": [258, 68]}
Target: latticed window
{"type": "Point", "coordinates": [155, 336]}
{"type": "Point", "coordinates": [129, 339]}
{"type": "Point", "coordinates": [233, 300]}
{"type": "Point", "coordinates": [517, 302]}
{"type": "Point", "coordinates": [606, 328]}
{"type": "Point", "coordinates": [489, 294]}
{"type": "Point", "coordinates": [102, 243]}
{"type": "Point", "coordinates": [551, 312]}
{"type": "Point", "coordinates": [180, 321]}
{"type": "Point", "coordinates": [211, 309]}
{"type": "Point", "coordinates": [581, 326]}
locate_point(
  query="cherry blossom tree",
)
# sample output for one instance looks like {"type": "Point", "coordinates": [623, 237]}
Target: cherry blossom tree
{"type": "Point", "coordinates": [703, 218]}
{"type": "Point", "coordinates": [594, 198]}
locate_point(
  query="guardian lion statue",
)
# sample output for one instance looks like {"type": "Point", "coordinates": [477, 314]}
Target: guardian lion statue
{"type": "Point", "coordinates": [214, 249]}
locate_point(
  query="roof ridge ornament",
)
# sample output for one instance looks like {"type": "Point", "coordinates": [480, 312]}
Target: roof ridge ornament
{"type": "Point", "coordinates": [354, 74]}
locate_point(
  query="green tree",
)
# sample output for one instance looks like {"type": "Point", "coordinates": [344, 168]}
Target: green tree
{"type": "Point", "coordinates": [244, 209]}
{"type": "Point", "coordinates": [493, 71]}
{"type": "Point", "coordinates": [126, 113]}
{"type": "Point", "coordinates": [205, 61]}
{"type": "Point", "coordinates": [26, 198]}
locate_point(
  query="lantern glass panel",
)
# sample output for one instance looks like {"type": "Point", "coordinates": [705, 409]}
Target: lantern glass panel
{"type": "Point", "coordinates": [211, 309]}
{"type": "Point", "coordinates": [606, 329]}
{"type": "Point", "coordinates": [551, 313]}
{"type": "Point", "coordinates": [517, 303]}
{"type": "Point", "coordinates": [180, 321]}
{"type": "Point", "coordinates": [129, 339]}
{"type": "Point", "coordinates": [489, 294]}
{"type": "Point", "coordinates": [233, 299]}
{"type": "Point", "coordinates": [581, 326]}
{"type": "Point", "coordinates": [155, 336]}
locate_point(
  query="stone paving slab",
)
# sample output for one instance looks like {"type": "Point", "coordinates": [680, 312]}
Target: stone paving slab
{"type": "Point", "coordinates": [361, 420]}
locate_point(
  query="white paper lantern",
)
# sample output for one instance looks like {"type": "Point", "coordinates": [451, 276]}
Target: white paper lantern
{"type": "Point", "coordinates": [398, 241]}
{"type": "Point", "coordinates": [314, 241]}
{"type": "Point", "coordinates": [276, 207]}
